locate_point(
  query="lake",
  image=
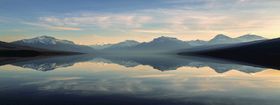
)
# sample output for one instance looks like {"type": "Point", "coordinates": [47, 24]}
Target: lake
{"type": "Point", "coordinates": [135, 80]}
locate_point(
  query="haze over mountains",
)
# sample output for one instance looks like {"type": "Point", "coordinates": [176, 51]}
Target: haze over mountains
{"type": "Point", "coordinates": [124, 44]}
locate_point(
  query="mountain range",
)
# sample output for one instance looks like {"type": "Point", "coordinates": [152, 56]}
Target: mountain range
{"type": "Point", "coordinates": [160, 44]}
{"type": "Point", "coordinates": [248, 48]}
{"type": "Point", "coordinates": [223, 39]}
{"type": "Point", "coordinates": [263, 52]}
{"type": "Point", "coordinates": [165, 44]}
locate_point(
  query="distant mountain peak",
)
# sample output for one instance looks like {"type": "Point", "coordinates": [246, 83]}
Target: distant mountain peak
{"type": "Point", "coordinates": [129, 41]}
{"type": "Point", "coordinates": [123, 44]}
{"type": "Point", "coordinates": [221, 36]}
{"type": "Point", "coordinates": [165, 38]}
{"type": "Point", "coordinates": [47, 40]}
{"type": "Point", "coordinates": [196, 42]}
{"type": "Point", "coordinates": [45, 37]}
{"type": "Point", "coordinates": [223, 39]}
{"type": "Point", "coordinates": [251, 36]}
{"type": "Point", "coordinates": [51, 43]}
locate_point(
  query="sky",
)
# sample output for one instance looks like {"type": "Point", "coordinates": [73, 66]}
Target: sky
{"type": "Point", "coordinates": [111, 21]}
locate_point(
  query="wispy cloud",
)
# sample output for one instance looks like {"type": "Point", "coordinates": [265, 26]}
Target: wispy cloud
{"type": "Point", "coordinates": [7, 19]}
{"type": "Point", "coordinates": [52, 27]}
{"type": "Point", "coordinates": [65, 28]}
{"type": "Point", "coordinates": [99, 20]}
{"type": "Point", "coordinates": [154, 31]}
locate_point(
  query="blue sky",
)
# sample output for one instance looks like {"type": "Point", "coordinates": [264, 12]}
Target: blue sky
{"type": "Point", "coordinates": [110, 21]}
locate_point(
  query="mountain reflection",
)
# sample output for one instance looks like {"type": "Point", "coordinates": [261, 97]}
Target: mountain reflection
{"type": "Point", "coordinates": [158, 62]}
{"type": "Point", "coordinates": [51, 63]}
{"type": "Point", "coordinates": [166, 62]}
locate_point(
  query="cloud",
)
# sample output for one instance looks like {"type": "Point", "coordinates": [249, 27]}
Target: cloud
{"type": "Point", "coordinates": [235, 19]}
{"type": "Point", "coordinates": [53, 27]}
{"type": "Point", "coordinates": [65, 28]}
{"type": "Point", "coordinates": [7, 19]}
{"type": "Point", "coordinates": [99, 20]}
{"type": "Point", "coordinates": [154, 31]}
{"type": "Point", "coordinates": [158, 21]}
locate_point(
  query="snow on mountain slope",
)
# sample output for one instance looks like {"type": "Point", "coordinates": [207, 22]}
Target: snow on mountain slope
{"type": "Point", "coordinates": [51, 43]}
{"type": "Point", "coordinates": [45, 40]}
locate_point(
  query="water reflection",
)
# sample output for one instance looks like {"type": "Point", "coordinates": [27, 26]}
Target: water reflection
{"type": "Point", "coordinates": [168, 62]}
{"type": "Point", "coordinates": [158, 62]}
{"type": "Point", "coordinates": [52, 63]}
{"type": "Point", "coordinates": [137, 80]}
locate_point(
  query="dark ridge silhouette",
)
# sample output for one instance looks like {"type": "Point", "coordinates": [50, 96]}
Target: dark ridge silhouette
{"type": "Point", "coordinates": [264, 53]}
{"type": "Point", "coordinates": [18, 53]}
{"type": "Point", "coordinates": [14, 50]}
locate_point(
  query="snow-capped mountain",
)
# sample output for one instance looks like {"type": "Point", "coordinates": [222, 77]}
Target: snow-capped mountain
{"type": "Point", "coordinates": [124, 44]}
{"type": "Point", "coordinates": [47, 40]}
{"type": "Point", "coordinates": [51, 43]}
{"type": "Point", "coordinates": [162, 44]}
{"type": "Point", "coordinates": [168, 43]}
{"type": "Point", "coordinates": [164, 39]}
{"type": "Point", "coordinates": [249, 37]}
{"type": "Point", "coordinates": [223, 39]}
{"type": "Point", "coordinates": [127, 43]}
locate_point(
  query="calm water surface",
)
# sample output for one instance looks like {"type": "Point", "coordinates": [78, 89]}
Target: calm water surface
{"type": "Point", "coordinates": [136, 80]}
